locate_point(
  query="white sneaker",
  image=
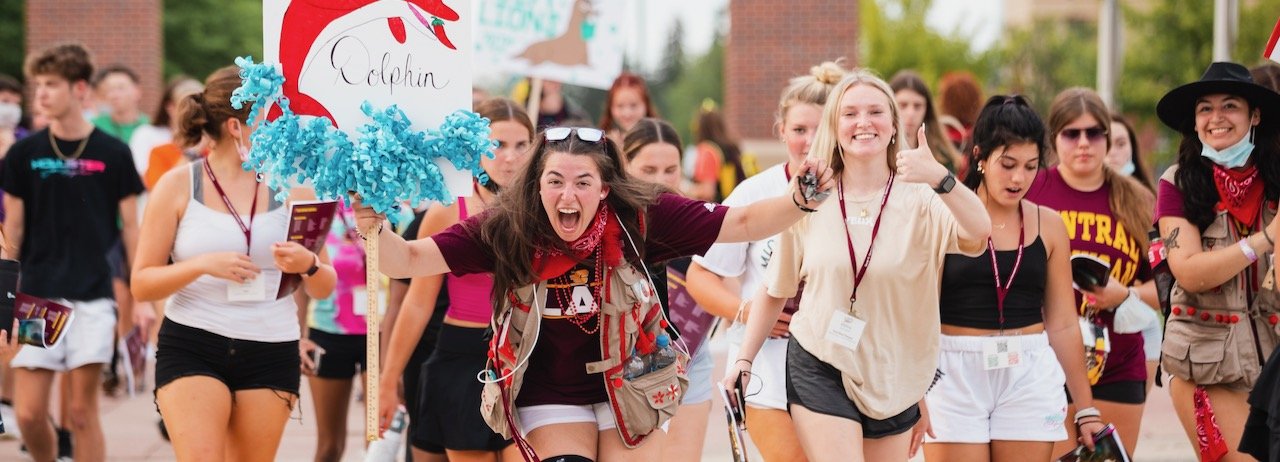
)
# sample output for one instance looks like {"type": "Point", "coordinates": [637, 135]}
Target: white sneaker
{"type": "Point", "coordinates": [10, 420]}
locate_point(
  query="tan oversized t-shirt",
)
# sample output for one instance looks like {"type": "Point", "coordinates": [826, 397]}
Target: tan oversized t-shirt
{"type": "Point", "coordinates": [893, 363]}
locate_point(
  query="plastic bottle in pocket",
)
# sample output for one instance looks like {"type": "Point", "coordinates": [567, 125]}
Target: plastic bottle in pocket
{"type": "Point", "coordinates": [665, 355]}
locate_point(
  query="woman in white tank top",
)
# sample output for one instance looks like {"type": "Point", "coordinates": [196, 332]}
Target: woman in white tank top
{"type": "Point", "coordinates": [227, 362]}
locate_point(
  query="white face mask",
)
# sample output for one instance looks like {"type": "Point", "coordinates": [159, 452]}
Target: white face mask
{"type": "Point", "coordinates": [10, 114]}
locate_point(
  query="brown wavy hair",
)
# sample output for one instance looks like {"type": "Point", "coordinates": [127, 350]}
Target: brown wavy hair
{"type": "Point", "coordinates": [518, 225]}
{"type": "Point", "coordinates": [69, 61]}
{"type": "Point", "coordinates": [1131, 203]}
{"type": "Point", "coordinates": [201, 114]}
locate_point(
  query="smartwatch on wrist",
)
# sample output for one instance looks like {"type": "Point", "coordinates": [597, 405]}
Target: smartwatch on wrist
{"type": "Point", "coordinates": [948, 182]}
{"type": "Point", "coordinates": [315, 266]}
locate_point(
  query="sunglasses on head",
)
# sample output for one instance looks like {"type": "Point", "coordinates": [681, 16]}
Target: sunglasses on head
{"type": "Point", "coordinates": [1093, 133]}
{"type": "Point", "coordinates": [590, 135]}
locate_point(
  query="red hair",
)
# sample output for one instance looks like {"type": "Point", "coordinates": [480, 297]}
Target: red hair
{"type": "Point", "coordinates": [626, 80]}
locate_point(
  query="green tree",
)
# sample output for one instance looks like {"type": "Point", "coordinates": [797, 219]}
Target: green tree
{"type": "Point", "coordinates": [1171, 43]}
{"type": "Point", "coordinates": [201, 36]}
{"type": "Point", "coordinates": [1047, 57]}
{"type": "Point", "coordinates": [13, 30]}
{"type": "Point", "coordinates": [669, 69]}
{"type": "Point", "coordinates": [893, 36]}
{"type": "Point", "coordinates": [701, 78]}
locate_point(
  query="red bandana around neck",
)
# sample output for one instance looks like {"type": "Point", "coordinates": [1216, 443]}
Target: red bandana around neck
{"type": "Point", "coordinates": [603, 233]}
{"type": "Point", "coordinates": [1241, 192]}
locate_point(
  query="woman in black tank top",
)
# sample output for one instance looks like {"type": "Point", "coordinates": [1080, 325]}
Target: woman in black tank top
{"type": "Point", "coordinates": [1008, 320]}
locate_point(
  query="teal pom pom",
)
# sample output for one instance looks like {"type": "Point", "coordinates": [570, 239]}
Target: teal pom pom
{"type": "Point", "coordinates": [387, 164]}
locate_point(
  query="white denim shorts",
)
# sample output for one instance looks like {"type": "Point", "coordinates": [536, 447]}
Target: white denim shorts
{"type": "Point", "coordinates": [90, 339]}
{"type": "Point", "coordinates": [1025, 402]}
{"type": "Point", "coordinates": [533, 417]}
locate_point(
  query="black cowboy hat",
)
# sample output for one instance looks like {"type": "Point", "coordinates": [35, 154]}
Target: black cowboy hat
{"type": "Point", "coordinates": [1177, 108]}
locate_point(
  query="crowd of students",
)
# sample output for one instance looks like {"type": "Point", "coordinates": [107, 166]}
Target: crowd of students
{"type": "Point", "coordinates": [562, 310]}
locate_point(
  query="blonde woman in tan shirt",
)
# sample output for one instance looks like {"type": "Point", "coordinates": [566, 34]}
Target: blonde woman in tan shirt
{"type": "Point", "coordinates": [865, 342]}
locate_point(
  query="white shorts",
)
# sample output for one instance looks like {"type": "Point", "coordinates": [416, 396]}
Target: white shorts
{"type": "Point", "coordinates": [90, 339]}
{"type": "Point", "coordinates": [768, 386]}
{"type": "Point", "coordinates": [1025, 402]}
{"type": "Point", "coordinates": [532, 417]}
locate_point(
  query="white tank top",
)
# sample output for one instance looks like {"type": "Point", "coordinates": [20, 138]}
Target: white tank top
{"type": "Point", "coordinates": [203, 304]}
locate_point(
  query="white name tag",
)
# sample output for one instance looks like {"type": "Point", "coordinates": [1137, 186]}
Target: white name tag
{"type": "Point", "coordinates": [359, 301]}
{"type": "Point", "coordinates": [845, 330]}
{"type": "Point", "coordinates": [1001, 352]}
{"type": "Point", "coordinates": [261, 288]}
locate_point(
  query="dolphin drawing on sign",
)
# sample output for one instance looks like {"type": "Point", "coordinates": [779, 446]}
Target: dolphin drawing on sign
{"type": "Point", "coordinates": [570, 47]}
{"type": "Point", "coordinates": [304, 20]}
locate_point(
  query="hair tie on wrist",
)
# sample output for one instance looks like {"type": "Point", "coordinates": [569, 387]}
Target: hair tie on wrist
{"type": "Point", "coordinates": [801, 206]}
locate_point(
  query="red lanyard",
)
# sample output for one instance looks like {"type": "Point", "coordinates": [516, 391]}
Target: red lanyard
{"type": "Point", "coordinates": [858, 273]}
{"type": "Point", "coordinates": [1002, 292]}
{"type": "Point", "coordinates": [253, 209]}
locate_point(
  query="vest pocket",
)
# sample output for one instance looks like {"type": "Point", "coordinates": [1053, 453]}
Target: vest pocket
{"type": "Point", "coordinates": [651, 399]}
{"type": "Point", "coordinates": [1199, 353]}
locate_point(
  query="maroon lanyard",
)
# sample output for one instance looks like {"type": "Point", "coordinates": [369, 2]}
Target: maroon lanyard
{"type": "Point", "coordinates": [253, 209]}
{"type": "Point", "coordinates": [858, 273]}
{"type": "Point", "coordinates": [1002, 292]}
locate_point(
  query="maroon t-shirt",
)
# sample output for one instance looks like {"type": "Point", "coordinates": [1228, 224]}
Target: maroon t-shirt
{"type": "Point", "coordinates": [675, 227]}
{"type": "Point", "coordinates": [1095, 230]}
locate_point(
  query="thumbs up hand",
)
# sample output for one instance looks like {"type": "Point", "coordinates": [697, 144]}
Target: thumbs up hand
{"type": "Point", "coordinates": [918, 165]}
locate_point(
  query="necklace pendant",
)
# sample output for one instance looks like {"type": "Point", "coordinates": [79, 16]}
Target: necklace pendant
{"type": "Point", "coordinates": [863, 214]}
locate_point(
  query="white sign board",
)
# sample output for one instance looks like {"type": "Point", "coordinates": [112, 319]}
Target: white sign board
{"type": "Point", "coordinates": [579, 42]}
{"type": "Point", "coordinates": [413, 54]}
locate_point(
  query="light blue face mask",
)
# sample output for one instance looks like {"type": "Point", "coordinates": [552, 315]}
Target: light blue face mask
{"type": "Point", "coordinates": [1128, 169]}
{"type": "Point", "coordinates": [1234, 156]}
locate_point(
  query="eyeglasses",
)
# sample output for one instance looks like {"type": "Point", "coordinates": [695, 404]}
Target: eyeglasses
{"type": "Point", "coordinates": [590, 135]}
{"type": "Point", "coordinates": [1093, 133]}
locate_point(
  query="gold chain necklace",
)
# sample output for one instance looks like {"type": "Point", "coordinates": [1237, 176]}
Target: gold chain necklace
{"type": "Point", "coordinates": [75, 155]}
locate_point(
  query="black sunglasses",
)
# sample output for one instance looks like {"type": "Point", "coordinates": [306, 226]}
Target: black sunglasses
{"type": "Point", "coordinates": [590, 135]}
{"type": "Point", "coordinates": [1093, 133]}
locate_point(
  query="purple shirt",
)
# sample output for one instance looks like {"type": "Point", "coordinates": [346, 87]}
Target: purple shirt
{"type": "Point", "coordinates": [1093, 229]}
{"type": "Point", "coordinates": [675, 227]}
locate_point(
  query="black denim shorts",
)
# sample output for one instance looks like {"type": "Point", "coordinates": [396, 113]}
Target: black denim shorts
{"type": "Point", "coordinates": [343, 354]}
{"type": "Point", "coordinates": [818, 387]}
{"type": "Point", "coordinates": [184, 351]}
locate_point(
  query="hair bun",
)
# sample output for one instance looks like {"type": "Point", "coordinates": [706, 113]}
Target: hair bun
{"type": "Point", "coordinates": [829, 72]}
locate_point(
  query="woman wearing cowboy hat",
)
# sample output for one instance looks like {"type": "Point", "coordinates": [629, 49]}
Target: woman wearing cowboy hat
{"type": "Point", "coordinates": [1216, 210]}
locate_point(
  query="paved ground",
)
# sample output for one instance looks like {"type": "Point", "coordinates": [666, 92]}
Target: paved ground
{"type": "Point", "coordinates": [131, 432]}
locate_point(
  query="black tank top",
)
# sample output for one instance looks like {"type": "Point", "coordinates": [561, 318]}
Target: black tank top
{"type": "Point", "coordinates": [968, 296]}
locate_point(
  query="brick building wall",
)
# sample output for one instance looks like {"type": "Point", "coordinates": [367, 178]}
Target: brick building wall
{"type": "Point", "coordinates": [771, 42]}
{"type": "Point", "coordinates": [118, 31]}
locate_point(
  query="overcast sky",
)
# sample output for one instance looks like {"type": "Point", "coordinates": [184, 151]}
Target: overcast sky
{"type": "Point", "coordinates": [654, 18]}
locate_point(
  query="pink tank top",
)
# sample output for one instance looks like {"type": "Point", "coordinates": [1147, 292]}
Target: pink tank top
{"type": "Point", "coordinates": [469, 295]}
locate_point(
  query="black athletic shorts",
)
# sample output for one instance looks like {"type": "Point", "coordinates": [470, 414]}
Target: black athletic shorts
{"type": "Point", "coordinates": [818, 387]}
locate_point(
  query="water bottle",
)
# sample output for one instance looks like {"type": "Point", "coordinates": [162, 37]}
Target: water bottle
{"type": "Point", "coordinates": [635, 366]}
{"type": "Point", "coordinates": [387, 448]}
{"type": "Point", "coordinates": [1163, 276]}
{"type": "Point", "coordinates": [665, 355]}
